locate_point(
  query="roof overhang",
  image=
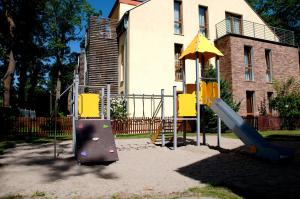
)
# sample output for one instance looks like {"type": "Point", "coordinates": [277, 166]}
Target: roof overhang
{"type": "Point", "coordinates": [128, 2]}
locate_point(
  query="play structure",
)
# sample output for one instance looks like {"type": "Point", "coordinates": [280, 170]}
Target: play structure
{"type": "Point", "coordinates": [93, 139]}
{"type": "Point", "coordinates": [209, 94]}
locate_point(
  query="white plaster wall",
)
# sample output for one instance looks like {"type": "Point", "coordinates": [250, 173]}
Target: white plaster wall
{"type": "Point", "coordinates": [151, 41]}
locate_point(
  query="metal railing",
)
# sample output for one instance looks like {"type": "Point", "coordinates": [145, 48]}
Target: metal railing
{"type": "Point", "coordinates": [255, 30]}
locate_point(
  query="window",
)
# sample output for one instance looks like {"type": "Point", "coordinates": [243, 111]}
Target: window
{"type": "Point", "coordinates": [268, 55]}
{"type": "Point", "coordinates": [233, 23]}
{"type": "Point", "coordinates": [178, 17]}
{"type": "Point", "coordinates": [203, 21]}
{"type": "Point", "coordinates": [122, 63]}
{"type": "Point", "coordinates": [250, 102]}
{"type": "Point", "coordinates": [270, 96]}
{"type": "Point", "coordinates": [178, 63]}
{"type": "Point", "coordinates": [248, 63]}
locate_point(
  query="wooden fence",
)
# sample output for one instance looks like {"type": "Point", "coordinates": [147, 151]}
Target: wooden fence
{"type": "Point", "coordinates": [44, 126]}
{"type": "Point", "coordinates": [141, 125]}
{"type": "Point", "coordinates": [40, 126]}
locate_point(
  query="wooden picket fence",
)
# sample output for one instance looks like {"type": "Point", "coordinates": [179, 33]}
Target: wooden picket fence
{"type": "Point", "coordinates": [140, 125]}
{"type": "Point", "coordinates": [40, 126]}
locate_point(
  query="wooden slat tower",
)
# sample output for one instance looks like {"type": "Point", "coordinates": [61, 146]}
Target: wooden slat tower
{"type": "Point", "coordinates": [102, 53]}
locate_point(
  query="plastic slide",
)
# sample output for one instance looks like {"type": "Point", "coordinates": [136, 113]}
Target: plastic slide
{"type": "Point", "coordinates": [260, 147]}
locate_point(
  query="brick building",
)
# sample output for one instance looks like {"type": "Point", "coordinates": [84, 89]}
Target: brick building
{"type": "Point", "coordinates": [252, 65]}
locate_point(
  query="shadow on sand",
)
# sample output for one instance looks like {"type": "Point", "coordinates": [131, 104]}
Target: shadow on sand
{"type": "Point", "coordinates": [65, 166]}
{"type": "Point", "coordinates": [247, 176]}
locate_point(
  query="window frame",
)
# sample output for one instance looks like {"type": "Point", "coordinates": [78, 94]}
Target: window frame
{"type": "Point", "coordinates": [232, 16]}
{"type": "Point", "coordinates": [180, 21]}
{"type": "Point", "coordinates": [178, 64]}
{"type": "Point", "coordinates": [269, 64]}
{"type": "Point", "coordinates": [249, 67]}
{"type": "Point", "coordinates": [206, 20]}
{"type": "Point", "coordinates": [252, 99]}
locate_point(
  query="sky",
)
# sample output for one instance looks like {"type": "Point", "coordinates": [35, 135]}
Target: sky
{"type": "Point", "coordinates": [105, 6]}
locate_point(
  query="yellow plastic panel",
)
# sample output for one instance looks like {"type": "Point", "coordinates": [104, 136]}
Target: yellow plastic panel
{"type": "Point", "coordinates": [186, 105]}
{"type": "Point", "coordinates": [209, 88]}
{"type": "Point", "coordinates": [203, 92]}
{"type": "Point", "coordinates": [88, 105]}
{"type": "Point", "coordinates": [215, 91]}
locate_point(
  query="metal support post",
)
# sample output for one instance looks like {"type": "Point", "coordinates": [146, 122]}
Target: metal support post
{"type": "Point", "coordinates": [219, 96]}
{"type": "Point", "coordinates": [174, 118]}
{"type": "Point", "coordinates": [102, 103]}
{"type": "Point", "coordinates": [163, 142]}
{"type": "Point", "coordinates": [75, 113]}
{"type": "Point", "coordinates": [108, 102]}
{"type": "Point", "coordinates": [202, 74]}
{"type": "Point", "coordinates": [197, 100]}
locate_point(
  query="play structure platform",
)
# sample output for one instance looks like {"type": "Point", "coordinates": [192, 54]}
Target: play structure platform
{"type": "Point", "coordinates": [248, 135]}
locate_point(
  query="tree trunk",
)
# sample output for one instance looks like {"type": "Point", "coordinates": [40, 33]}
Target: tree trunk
{"type": "Point", "coordinates": [11, 63]}
{"type": "Point", "coordinates": [8, 77]}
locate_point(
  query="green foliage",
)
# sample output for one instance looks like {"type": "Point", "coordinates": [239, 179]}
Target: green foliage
{"type": "Point", "coordinates": [209, 119]}
{"type": "Point", "coordinates": [43, 34]}
{"type": "Point", "coordinates": [262, 109]}
{"type": "Point", "coordinates": [287, 101]}
{"type": "Point", "coordinates": [118, 108]}
{"type": "Point", "coordinates": [280, 13]}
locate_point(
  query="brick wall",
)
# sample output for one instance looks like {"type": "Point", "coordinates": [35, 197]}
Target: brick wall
{"type": "Point", "coordinates": [285, 62]}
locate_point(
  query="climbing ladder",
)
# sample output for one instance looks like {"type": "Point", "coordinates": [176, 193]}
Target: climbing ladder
{"type": "Point", "coordinates": [156, 137]}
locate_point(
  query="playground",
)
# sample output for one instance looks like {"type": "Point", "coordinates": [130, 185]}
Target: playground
{"type": "Point", "coordinates": [95, 164]}
{"type": "Point", "coordinates": [146, 169]}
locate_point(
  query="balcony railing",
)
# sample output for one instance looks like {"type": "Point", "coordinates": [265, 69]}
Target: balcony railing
{"type": "Point", "coordinates": [255, 30]}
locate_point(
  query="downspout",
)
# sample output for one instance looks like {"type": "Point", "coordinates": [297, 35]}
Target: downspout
{"type": "Point", "coordinates": [126, 56]}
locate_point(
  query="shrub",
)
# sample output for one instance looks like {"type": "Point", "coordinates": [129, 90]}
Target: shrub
{"type": "Point", "coordinates": [287, 102]}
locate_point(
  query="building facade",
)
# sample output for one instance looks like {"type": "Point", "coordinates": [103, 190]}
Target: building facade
{"type": "Point", "coordinates": [152, 34]}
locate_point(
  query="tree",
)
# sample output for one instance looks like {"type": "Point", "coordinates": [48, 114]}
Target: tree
{"type": "Point", "coordinates": [287, 102]}
{"type": "Point", "coordinates": [64, 19]}
{"type": "Point", "coordinates": [280, 13]}
{"type": "Point", "coordinates": [7, 18]}
{"type": "Point", "coordinates": [209, 119]}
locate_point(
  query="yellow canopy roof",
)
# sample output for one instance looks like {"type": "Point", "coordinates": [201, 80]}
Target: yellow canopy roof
{"type": "Point", "coordinates": [202, 45]}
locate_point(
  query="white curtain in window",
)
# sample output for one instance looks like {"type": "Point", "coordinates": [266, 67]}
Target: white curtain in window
{"type": "Point", "coordinates": [237, 25]}
{"type": "Point", "coordinates": [246, 61]}
{"type": "Point", "coordinates": [228, 25]}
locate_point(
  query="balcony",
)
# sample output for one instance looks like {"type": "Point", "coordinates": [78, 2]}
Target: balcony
{"type": "Point", "coordinates": [254, 30]}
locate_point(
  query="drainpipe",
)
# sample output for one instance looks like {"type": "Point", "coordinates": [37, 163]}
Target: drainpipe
{"type": "Point", "coordinates": [126, 67]}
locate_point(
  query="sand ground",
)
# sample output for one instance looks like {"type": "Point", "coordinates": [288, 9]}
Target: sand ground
{"type": "Point", "coordinates": [143, 168]}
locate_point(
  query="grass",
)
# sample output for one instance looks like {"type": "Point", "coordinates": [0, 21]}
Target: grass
{"type": "Point", "coordinates": [39, 194]}
{"type": "Point", "coordinates": [195, 192]}
{"type": "Point", "coordinates": [214, 191]}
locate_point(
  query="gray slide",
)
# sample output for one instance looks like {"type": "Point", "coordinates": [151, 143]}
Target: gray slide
{"type": "Point", "coordinates": [248, 134]}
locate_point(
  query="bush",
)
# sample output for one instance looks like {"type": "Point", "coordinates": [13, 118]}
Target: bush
{"type": "Point", "coordinates": [118, 108]}
{"type": "Point", "coordinates": [287, 102]}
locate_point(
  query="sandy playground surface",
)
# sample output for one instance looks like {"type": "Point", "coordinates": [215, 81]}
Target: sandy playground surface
{"type": "Point", "coordinates": [144, 168]}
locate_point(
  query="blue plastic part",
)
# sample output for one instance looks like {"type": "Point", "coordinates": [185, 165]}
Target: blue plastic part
{"type": "Point", "coordinates": [249, 135]}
